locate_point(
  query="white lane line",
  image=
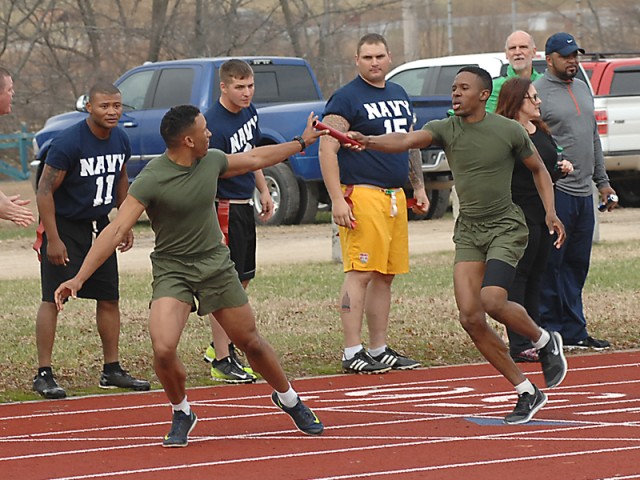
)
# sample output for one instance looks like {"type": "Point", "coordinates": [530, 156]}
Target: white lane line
{"type": "Point", "coordinates": [482, 463]}
{"type": "Point", "coordinates": [348, 450]}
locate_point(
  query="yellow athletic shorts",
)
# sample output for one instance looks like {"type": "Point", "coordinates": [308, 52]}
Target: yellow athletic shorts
{"type": "Point", "coordinates": [380, 240]}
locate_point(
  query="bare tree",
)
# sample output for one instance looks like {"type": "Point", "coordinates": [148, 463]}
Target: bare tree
{"type": "Point", "coordinates": [91, 30]}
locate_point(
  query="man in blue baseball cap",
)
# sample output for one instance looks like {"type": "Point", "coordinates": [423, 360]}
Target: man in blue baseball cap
{"type": "Point", "coordinates": [567, 108]}
{"type": "Point", "coordinates": [562, 43]}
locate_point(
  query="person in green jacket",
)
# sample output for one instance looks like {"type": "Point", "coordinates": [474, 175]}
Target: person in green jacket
{"type": "Point", "coordinates": [520, 50]}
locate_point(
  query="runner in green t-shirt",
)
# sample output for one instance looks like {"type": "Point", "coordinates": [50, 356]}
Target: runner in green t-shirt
{"type": "Point", "coordinates": [191, 264]}
{"type": "Point", "coordinates": [490, 233]}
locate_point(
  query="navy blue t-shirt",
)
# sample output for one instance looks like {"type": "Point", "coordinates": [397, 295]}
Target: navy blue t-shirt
{"type": "Point", "coordinates": [93, 167]}
{"type": "Point", "coordinates": [234, 133]}
{"type": "Point", "coordinates": [372, 111]}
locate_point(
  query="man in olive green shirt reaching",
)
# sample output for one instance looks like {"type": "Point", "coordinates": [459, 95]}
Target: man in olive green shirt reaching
{"type": "Point", "coordinates": [191, 264]}
{"type": "Point", "coordinates": [490, 233]}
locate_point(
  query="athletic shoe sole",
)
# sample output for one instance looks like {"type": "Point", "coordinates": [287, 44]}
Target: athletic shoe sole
{"type": "Point", "coordinates": [558, 339]}
{"type": "Point", "coordinates": [362, 372]}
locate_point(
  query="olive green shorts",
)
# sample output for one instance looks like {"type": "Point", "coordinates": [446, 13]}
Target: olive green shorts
{"type": "Point", "coordinates": [501, 237]}
{"type": "Point", "coordinates": [211, 280]}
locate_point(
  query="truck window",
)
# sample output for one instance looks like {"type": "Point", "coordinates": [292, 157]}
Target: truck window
{"type": "Point", "coordinates": [625, 82]}
{"type": "Point", "coordinates": [445, 79]}
{"type": "Point", "coordinates": [413, 81]}
{"type": "Point", "coordinates": [173, 88]}
{"type": "Point", "coordinates": [134, 89]}
{"type": "Point", "coordinates": [284, 84]}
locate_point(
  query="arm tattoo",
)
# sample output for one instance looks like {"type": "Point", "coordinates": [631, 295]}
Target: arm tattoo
{"type": "Point", "coordinates": [48, 179]}
{"type": "Point", "coordinates": [339, 123]}
{"type": "Point", "coordinates": [415, 169]}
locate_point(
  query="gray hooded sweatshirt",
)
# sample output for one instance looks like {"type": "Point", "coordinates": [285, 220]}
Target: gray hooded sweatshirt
{"type": "Point", "coordinates": [567, 107]}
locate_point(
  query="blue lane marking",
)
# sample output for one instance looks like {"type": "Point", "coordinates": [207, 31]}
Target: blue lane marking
{"type": "Point", "coordinates": [490, 422]}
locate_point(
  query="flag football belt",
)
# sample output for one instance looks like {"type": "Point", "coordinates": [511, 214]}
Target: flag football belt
{"type": "Point", "coordinates": [391, 192]}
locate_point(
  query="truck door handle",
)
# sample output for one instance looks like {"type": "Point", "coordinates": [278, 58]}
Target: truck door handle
{"type": "Point", "coordinates": [618, 121]}
{"type": "Point", "coordinates": [129, 124]}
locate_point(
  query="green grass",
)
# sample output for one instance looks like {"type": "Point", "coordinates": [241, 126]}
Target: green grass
{"type": "Point", "coordinates": [296, 308]}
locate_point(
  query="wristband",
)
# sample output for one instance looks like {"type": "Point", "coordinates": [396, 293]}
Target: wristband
{"type": "Point", "coordinates": [303, 144]}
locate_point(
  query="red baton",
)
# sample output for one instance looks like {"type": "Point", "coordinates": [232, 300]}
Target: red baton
{"type": "Point", "coordinates": [341, 137]}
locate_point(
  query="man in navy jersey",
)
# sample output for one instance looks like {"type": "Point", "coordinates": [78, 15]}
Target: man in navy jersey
{"type": "Point", "coordinates": [369, 205]}
{"type": "Point", "coordinates": [233, 122]}
{"type": "Point", "coordinates": [83, 179]}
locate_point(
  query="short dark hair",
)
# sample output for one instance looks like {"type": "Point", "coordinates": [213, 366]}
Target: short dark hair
{"type": "Point", "coordinates": [103, 87]}
{"type": "Point", "coordinates": [176, 121]}
{"type": "Point", "coordinates": [235, 68]}
{"type": "Point", "coordinates": [4, 73]}
{"type": "Point", "coordinates": [482, 74]}
{"type": "Point", "coordinates": [372, 39]}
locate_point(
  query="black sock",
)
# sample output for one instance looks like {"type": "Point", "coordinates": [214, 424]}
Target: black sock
{"type": "Point", "coordinates": [45, 369]}
{"type": "Point", "coordinates": [112, 367]}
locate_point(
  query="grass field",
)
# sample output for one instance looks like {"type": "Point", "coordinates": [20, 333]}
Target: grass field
{"type": "Point", "coordinates": [297, 312]}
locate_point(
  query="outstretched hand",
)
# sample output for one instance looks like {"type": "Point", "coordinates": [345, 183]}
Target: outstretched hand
{"type": "Point", "coordinates": [14, 209]}
{"type": "Point", "coordinates": [363, 141]}
{"type": "Point", "coordinates": [310, 134]}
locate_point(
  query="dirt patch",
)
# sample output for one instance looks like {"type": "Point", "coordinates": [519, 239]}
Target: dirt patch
{"type": "Point", "coordinates": [287, 244]}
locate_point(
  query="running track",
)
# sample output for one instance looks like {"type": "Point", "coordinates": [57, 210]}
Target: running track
{"type": "Point", "coordinates": [438, 423]}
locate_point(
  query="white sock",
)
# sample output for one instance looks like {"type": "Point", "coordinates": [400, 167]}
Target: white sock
{"type": "Point", "coordinates": [349, 352]}
{"type": "Point", "coordinates": [182, 406]}
{"type": "Point", "coordinates": [543, 340]}
{"type": "Point", "coordinates": [374, 352]}
{"type": "Point", "coordinates": [288, 398]}
{"type": "Point", "coordinates": [525, 387]}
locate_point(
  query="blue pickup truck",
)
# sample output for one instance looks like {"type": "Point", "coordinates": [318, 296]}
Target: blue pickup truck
{"type": "Point", "coordinates": [286, 91]}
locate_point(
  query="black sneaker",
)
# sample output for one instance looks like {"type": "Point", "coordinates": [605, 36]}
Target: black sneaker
{"type": "Point", "coordinates": [554, 365]}
{"type": "Point", "coordinates": [235, 356]}
{"type": "Point", "coordinates": [45, 384]}
{"type": "Point", "coordinates": [396, 360]}
{"type": "Point", "coordinates": [362, 362]}
{"type": "Point", "coordinates": [229, 371]}
{"type": "Point", "coordinates": [590, 342]}
{"type": "Point", "coordinates": [527, 406]}
{"type": "Point", "coordinates": [122, 379]}
{"type": "Point", "coordinates": [304, 418]}
{"type": "Point", "coordinates": [181, 427]}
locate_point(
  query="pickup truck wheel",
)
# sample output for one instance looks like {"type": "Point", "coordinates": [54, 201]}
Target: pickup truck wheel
{"type": "Point", "coordinates": [438, 205]}
{"type": "Point", "coordinates": [285, 193]}
{"type": "Point", "coordinates": [308, 202]}
{"type": "Point", "coordinates": [629, 196]}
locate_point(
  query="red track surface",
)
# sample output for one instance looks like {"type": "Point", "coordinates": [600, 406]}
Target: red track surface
{"type": "Point", "coordinates": [440, 423]}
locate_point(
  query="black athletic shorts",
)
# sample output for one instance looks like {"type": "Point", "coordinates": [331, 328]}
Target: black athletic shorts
{"type": "Point", "coordinates": [242, 239]}
{"type": "Point", "coordinates": [78, 237]}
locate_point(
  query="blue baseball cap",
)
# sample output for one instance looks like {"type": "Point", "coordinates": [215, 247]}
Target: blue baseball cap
{"type": "Point", "coordinates": [563, 43]}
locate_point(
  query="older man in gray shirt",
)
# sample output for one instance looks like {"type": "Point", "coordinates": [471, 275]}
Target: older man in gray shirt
{"type": "Point", "coordinates": [567, 107]}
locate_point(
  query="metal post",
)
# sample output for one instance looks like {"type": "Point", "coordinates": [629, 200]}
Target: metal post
{"type": "Point", "coordinates": [22, 148]}
{"type": "Point", "coordinates": [450, 25]}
